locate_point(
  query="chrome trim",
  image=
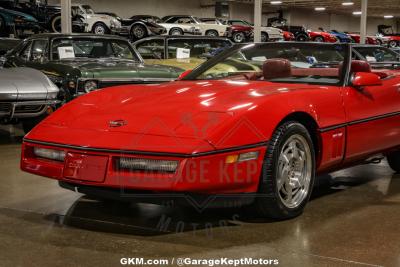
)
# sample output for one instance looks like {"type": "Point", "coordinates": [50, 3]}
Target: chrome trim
{"type": "Point", "coordinates": [12, 114]}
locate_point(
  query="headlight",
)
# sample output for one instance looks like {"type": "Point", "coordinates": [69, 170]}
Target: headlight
{"type": "Point", "coordinates": [155, 165]}
{"type": "Point", "coordinates": [52, 154]}
{"type": "Point", "coordinates": [90, 86]}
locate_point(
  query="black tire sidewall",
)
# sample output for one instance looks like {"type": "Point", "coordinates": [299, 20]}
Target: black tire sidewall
{"type": "Point", "coordinates": [266, 37]}
{"type": "Point", "coordinates": [269, 202]}
{"type": "Point", "coordinates": [134, 37]}
{"type": "Point", "coordinates": [175, 30]}
{"type": "Point", "coordinates": [99, 24]}
{"type": "Point", "coordinates": [241, 34]}
{"type": "Point", "coordinates": [394, 161]}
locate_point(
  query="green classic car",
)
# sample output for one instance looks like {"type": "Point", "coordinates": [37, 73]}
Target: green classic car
{"type": "Point", "coordinates": [80, 63]}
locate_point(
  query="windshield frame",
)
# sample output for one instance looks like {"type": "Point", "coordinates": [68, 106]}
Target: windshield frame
{"type": "Point", "coordinates": [136, 54]}
{"type": "Point", "coordinates": [344, 76]}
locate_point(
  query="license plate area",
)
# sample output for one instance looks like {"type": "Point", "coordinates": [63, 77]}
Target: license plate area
{"type": "Point", "coordinates": [83, 167]}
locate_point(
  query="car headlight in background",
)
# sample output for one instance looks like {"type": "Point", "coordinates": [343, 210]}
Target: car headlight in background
{"type": "Point", "coordinates": [90, 86]}
{"type": "Point", "coordinates": [51, 154]}
{"type": "Point", "coordinates": [155, 165]}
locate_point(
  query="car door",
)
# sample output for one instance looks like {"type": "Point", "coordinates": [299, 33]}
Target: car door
{"type": "Point", "coordinates": [373, 117]}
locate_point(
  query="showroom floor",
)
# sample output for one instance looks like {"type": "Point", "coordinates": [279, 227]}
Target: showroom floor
{"type": "Point", "coordinates": [353, 219]}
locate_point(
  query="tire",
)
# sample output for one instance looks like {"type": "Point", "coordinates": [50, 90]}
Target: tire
{"type": "Point", "coordinates": [138, 32]}
{"type": "Point", "coordinates": [393, 43]}
{"type": "Point", "coordinates": [301, 38]}
{"type": "Point", "coordinates": [212, 33]}
{"type": "Point", "coordinates": [290, 146]}
{"type": "Point", "coordinates": [29, 124]}
{"type": "Point", "coordinates": [100, 28]}
{"type": "Point", "coordinates": [319, 39]}
{"type": "Point", "coordinates": [55, 24]}
{"type": "Point", "coordinates": [176, 31]}
{"type": "Point", "coordinates": [264, 37]}
{"type": "Point", "coordinates": [394, 161]}
{"type": "Point", "coordinates": [379, 42]}
{"type": "Point", "coordinates": [239, 37]}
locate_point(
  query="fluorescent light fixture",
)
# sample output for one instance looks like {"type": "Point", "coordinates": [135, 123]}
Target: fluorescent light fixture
{"type": "Point", "coordinates": [276, 2]}
{"type": "Point", "coordinates": [357, 13]}
{"type": "Point", "coordinates": [319, 8]}
{"type": "Point", "coordinates": [347, 3]}
{"type": "Point", "coordinates": [388, 16]}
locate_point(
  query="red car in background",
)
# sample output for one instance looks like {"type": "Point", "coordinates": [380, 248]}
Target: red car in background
{"type": "Point", "coordinates": [369, 39]}
{"type": "Point", "coordinates": [239, 126]}
{"type": "Point", "coordinates": [323, 37]}
{"type": "Point", "coordinates": [288, 36]}
{"type": "Point", "coordinates": [239, 33]}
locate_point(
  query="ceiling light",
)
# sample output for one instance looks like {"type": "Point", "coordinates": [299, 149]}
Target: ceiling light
{"type": "Point", "coordinates": [388, 16]}
{"type": "Point", "coordinates": [347, 3]}
{"type": "Point", "coordinates": [319, 8]}
{"type": "Point", "coordinates": [357, 13]}
{"type": "Point", "coordinates": [276, 2]}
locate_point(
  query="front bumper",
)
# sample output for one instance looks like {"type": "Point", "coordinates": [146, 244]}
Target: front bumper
{"type": "Point", "coordinates": [25, 109]}
{"type": "Point", "coordinates": [208, 173]}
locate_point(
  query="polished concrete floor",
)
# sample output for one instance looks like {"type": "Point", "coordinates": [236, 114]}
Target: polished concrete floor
{"type": "Point", "coordinates": [353, 219]}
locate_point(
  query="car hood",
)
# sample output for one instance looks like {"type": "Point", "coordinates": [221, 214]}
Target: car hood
{"type": "Point", "coordinates": [97, 69]}
{"type": "Point", "coordinates": [20, 14]}
{"type": "Point", "coordinates": [184, 110]}
{"type": "Point", "coordinates": [25, 84]}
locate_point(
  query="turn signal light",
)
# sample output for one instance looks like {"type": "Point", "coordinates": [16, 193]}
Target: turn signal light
{"type": "Point", "coordinates": [242, 157]}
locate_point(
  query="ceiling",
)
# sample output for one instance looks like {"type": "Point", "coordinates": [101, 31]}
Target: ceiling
{"type": "Point", "coordinates": [376, 8]}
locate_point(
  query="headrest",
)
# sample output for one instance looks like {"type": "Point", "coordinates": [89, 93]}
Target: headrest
{"type": "Point", "coordinates": [360, 66]}
{"type": "Point", "coordinates": [276, 68]}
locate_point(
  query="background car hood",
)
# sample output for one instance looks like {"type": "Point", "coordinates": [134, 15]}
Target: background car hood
{"type": "Point", "coordinates": [122, 69]}
{"type": "Point", "coordinates": [20, 14]}
{"type": "Point", "coordinates": [24, 84]}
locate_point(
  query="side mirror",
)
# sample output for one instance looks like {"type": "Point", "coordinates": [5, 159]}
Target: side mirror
{"type": "Point", "coordinates": [184, 74]}
{"type": "Point", "coordinates": [362, 79]}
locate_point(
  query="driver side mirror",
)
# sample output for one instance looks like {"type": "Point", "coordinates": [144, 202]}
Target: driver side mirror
{"type": "Point", "coordinates": [362, 79]}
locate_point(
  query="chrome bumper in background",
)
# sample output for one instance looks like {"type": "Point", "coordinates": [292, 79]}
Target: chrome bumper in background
{"type": "Point", "coordinates": [26, 109]}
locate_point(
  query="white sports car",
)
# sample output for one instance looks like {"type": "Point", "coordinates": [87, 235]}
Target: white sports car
{"type": "Point", "coordinates": [95, 23]}
{"type": "Point", "coordinates": [209, 29]}
{"type": "Point", "coordinates": [267, 33]}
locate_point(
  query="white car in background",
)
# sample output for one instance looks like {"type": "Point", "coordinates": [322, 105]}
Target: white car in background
{"type": "Point", "coordinates": [267, 33]}
{"type": "Point", "coordinates": [208, 29]}
{"type": "Point", "coordinates": [95, 23]}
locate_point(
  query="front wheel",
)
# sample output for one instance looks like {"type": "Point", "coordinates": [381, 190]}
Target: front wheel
{"type": "Point", "coordinates": [393, 44]}
{"type": "Point", "coordinates": [138, 32]}
{"type": "Point", "coordinates": [238, 37]}
{"type": "Point", "coordinates": [301, 38]}
{"type": "Point", "coordinates": [212, 33]}
{"type": "Point", "coordinates": [288, 173]}
{"type": "Point", "coordinates": [100, 28]}
{"type": "Point", "coordinates": [319, 39]}
{"type": "Point", "coordinates": [175, 31]}
{"type": "Point", "coordinates": [264, 37]}
{"type": "Point", "coordinates": [394, 161]}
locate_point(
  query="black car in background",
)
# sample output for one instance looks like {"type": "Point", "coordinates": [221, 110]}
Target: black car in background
{"type": "Point", "coordinates": [139, 27]}
{"type": "Point", "coordinates": [48, 16]}
{"type": "Point", "coordinates": [6, 45]}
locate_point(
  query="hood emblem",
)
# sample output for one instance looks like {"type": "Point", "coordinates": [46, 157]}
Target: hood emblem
{"type": "Point", "coordinates": [117, 123]}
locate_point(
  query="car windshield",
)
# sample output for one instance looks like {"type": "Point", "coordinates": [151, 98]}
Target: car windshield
{"type": "Point", "coordinates": [378, 54]}
{"type": "Point", "coordinates": [284, 62]}
{"type": "Point", "coordinates": [67, 48]}
{"type": "Point", "coordinates": [88, 9]}
{"type": "Point", "coordinates": [192, 48]}
{"type": "Point", "coordinates": [148, 19]}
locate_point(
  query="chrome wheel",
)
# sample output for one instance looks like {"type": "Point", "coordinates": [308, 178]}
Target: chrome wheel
{"type": "Point", "coordinates": [212, 34]}
{"type": "Point", "coordinates": [99, 29]}
{"type": "Point", "coordinates": [176, 32]}
{"type": "Point", "coordinates": [264, 37]}
{"type": "Point", "coordinates": [294, 171]}
{"type": "Point", "coordinates": [238, 37]}
{"type": "Point", "coordinates": [392, 44]}
{"type": "Point", "coordinates": [138, 32]}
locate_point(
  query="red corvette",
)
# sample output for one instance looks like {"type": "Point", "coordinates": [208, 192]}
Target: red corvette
{"type": "Point", "coordinates": [322, 37]}
{"type": "Point", "coordinates": [256, 121]}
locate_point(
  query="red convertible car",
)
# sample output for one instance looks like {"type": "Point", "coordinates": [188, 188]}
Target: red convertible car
{"type": "Point", "coordinates": [257, 121]}
{"type": "Point", "coordinates": [322, 36]}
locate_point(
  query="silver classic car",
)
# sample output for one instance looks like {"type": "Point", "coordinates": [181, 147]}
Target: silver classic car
{"type": "Point", "coordinates": [26, 96]}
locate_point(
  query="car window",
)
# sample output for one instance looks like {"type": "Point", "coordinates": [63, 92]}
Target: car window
{"type": "Point", "coordinates": [39, 50]}
{"type": "Point", "coordinates": [151, 49]}
{"type": "Point", "coordinates": [377, 54]}
{"type": "Point", "coordinates": [92, 48]}
{"type": "Point", "coordinates": [197, 48]}
{"type": "Point", "coordinates": [26, 51]}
